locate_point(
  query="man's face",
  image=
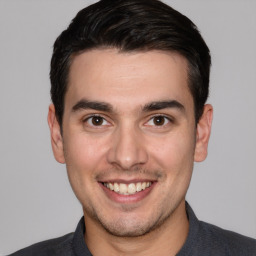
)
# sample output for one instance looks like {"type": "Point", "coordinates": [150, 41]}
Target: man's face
{"type": "Point", "coordinates": [129, 137]}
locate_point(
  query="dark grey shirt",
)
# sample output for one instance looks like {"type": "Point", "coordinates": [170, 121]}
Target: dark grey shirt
{"type": "Point", "coordinates": [203, 239]}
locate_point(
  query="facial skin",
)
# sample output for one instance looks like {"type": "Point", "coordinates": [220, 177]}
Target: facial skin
{"type": "Point", "coordinates": [129, 118]}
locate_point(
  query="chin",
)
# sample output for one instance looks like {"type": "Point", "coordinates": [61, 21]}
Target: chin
{"type": "Point", "coordinates": [131, 226]}
{"type": "Point", "coordinates": [122, 229]}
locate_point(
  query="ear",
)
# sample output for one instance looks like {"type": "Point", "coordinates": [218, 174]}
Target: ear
{"type": "Point", "coordinates": [203, 132]}
{"type": "Point", "coordinates": [56, 137]}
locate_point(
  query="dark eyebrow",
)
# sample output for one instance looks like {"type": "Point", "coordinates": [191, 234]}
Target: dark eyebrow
{"type": "Point", "coordinates": [158, 105]}
{"type": "Point", "coordinates": [86, 104]}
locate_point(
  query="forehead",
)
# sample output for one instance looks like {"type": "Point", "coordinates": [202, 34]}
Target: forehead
{"type": "Point", "coordinates": [119, 77]}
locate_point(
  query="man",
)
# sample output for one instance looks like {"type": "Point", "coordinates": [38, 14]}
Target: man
{"type": "Point", "coordinates": [129, 86]}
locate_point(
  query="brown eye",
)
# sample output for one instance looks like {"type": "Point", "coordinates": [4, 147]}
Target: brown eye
{"type": "Point", "coordinates": [97, 120]}
{"type": "Point", "coordinates": [159, 120]}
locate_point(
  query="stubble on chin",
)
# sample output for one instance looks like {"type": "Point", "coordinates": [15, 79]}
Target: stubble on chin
{"type": "Point", "coordinates": [130, 228]}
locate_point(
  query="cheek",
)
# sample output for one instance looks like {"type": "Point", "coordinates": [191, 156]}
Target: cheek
{"type": "Point", "coordinates": [176, 159]}
{"type": "Point", "coordinates": [84, 157]}
{"type": "Point", "coordinates": [83, 151]}
{"type": "Point", "coordinates": [174, 152]}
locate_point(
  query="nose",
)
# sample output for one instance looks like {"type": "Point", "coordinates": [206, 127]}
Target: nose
{"type": "Point", "coordinates": [127, 149]}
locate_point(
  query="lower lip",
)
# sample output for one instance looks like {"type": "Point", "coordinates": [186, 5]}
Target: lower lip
{"type": "Point", "coordinates": [126, 199]}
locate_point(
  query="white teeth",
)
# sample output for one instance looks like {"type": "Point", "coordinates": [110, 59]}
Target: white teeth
{"type": "Point", "coordinates": [116, 187]}
{"type": "Point", "coordinates": [123, 189]}
{"type": "Point", "coordinates": [127, 189]}
{"type": "Point", "coordinates": [138, 187]}
{"type": "Point", "coordinates": [131, 188]}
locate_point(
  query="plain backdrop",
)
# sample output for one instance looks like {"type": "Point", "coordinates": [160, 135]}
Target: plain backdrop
{"type": "Point", "coordinates": [36, 201]}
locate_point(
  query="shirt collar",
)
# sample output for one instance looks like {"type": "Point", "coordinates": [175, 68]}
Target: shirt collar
{"type": "Point", "coordinates": [79, 246]}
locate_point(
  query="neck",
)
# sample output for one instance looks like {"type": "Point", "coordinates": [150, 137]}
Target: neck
{"type": "Point", "coordinates": [165, 240]}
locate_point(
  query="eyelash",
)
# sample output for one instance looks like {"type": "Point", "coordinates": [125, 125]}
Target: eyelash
{"type": "Point", "coordinates": [86, 120]}
{"type": "Point", "coordinates": [167, 120]}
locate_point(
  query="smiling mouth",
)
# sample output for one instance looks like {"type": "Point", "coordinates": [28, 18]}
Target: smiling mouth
{"type": "Point", "coordinates": [127, 189]}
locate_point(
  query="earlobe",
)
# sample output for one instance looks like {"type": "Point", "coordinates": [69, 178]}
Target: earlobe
{"type": "Point", "coordinates": [203, 134]}
{"type": "Point", "coordinates": [56, 136]}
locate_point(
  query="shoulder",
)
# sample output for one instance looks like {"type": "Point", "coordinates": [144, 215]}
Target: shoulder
{"type": "Point", "coordinates": [54, 247]}
{"type": "Point", "coordinates": [207, 239]}
{"type": "Point", "coordinates": [230, 242]}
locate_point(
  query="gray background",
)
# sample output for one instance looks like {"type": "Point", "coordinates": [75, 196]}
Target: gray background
{"type": "Point", "coordinates": [35, 197]}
